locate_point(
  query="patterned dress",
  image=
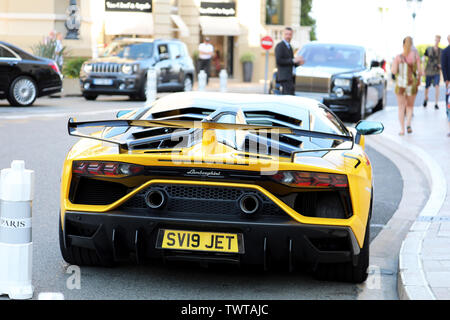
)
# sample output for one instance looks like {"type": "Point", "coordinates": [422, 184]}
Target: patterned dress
{"type": "Point", "coordinates": [407, 76]}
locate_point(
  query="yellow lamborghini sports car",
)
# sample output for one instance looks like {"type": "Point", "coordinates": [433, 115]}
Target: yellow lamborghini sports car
{"type": "Point", "coordinates": [248, 179]}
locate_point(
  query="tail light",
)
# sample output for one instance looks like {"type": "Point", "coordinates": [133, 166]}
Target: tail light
{"type": "Point", "coordinates": [103, 168]}
{"type": "Point", "coordinates": [54, 67]}
{"type": "Point", "coordinates": [311, 179]}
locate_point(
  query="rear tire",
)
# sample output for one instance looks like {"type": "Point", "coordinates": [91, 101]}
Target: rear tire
{"type": "Point", "coordinates": [347, 272]}
{"type": "Point", "coordinates": [22, 92]}
{"type": "Point", "coordinates": [80, 256]}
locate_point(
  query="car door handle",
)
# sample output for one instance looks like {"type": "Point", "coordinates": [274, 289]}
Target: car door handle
{"type": "Point", "coordinates": [12, 63]}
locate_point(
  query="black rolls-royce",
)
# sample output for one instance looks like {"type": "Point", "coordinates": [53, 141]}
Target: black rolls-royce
{"type": "Point", "coordinates": [122, 68]}
{"type": "Point", "coordinates": [343, 77]}
{"type": "Point", "coordinates": [25, 77]}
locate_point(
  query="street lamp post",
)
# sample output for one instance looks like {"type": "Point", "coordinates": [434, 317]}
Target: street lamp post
{"type": "Point", "coordinates": [414, 5]}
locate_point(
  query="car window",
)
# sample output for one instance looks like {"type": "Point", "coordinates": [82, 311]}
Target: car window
{"type": "Point", "coordinates": [162, 48]}
{"type": "Point", "coordinates": [183, 50]}
{"type": "Point", "coordinates": [174, 51]}
{"type": "Point", "coordinates": [323, 120]}
{"type": "Point", "coordinates": [227, 137]}
{"type": "Point", "coordinates": [5, 53]}
{"type": "Point", "coordinates": [129, 50]}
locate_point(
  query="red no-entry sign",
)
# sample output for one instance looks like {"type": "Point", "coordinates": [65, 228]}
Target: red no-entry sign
{"type": "Point", "coordinates": [267, 43]}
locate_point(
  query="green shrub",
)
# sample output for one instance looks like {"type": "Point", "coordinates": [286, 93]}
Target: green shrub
{"type": "Point", "coordinates": [72, 67]}
{"type": "Point", "coordinates": [247, 57]}
{"type": "Point", "coordinates": [46, 49]}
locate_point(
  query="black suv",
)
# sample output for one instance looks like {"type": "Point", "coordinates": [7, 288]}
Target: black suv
{"type": "Point", "coordinates": [122, 68]}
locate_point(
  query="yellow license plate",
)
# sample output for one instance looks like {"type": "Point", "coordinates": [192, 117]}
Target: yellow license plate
{"type": "Point", "coordinates": [200, 241]}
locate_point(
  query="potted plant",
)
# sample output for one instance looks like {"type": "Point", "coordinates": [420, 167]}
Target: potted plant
{"type": "Point", "coordinates": [247, 60]}
{"type": "Point", "coordinates": [71, 72]}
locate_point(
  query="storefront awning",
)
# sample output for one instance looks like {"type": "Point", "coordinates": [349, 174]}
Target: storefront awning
{"type": "Point", "coordinates": [182, 27]}
{"type": "Point", "coordinates": [220, 26]}
{"type": "Point", "coordinates": [138, 23]}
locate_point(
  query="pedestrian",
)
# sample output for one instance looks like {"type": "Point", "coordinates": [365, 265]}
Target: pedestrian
{"type": "Point", "coordinates": [206, 51]}
{"type": "Point", "coordinates": [217, 64]}
{"type": "Point", "coordinates": [286, 63]}
{"type": "Point", "coordinates": [407, 70]}
{"type": "Point", "coordinates": [445, 64]}
{"type": "Point", "coordinates": [433, 70]}
{"type": "Point", "coordinates": [59, 50]}
{"type": "Point", "coordinates": [50, 38]}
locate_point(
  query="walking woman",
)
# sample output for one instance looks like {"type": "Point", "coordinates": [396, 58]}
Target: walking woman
{"type": "Point", "coordinates": [407, 70]}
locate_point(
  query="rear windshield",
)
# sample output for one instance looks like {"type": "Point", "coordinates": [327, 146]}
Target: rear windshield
{"type": "Point", "coordinates": [337, 56]}
{"type": "Point", "coordinates": [129, 50]}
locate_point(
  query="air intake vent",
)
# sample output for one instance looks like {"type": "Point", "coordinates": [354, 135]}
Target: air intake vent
{"type": "Point", "coordinates": [96, 192]}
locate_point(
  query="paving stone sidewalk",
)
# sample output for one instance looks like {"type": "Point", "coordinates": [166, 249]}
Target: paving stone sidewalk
{"type": "Point", "coordinates": [425, 254]}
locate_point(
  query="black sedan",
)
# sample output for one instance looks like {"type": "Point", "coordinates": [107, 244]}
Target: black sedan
{"type": "Point", "coordinates": [343, 77]}
{"type": "Point", "coordinates": [25, 77]}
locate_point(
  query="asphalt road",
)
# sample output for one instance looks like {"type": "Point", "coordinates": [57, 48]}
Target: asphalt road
{"type": "Point", "coordinates": [38, 135]}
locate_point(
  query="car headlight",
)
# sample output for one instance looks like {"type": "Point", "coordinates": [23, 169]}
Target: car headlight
{"type": "Point", "coordinates": [87, 68]}
{"type": "Point", "coordinates": [339, 92]}
{"type": "Point", "coordinates": [127, 69]}
{"type": "Point", "coordinates": [342, 82]}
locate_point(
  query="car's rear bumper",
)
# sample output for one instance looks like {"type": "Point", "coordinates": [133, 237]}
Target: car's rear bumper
{"type": "Point", "coordinates": [122, 235]}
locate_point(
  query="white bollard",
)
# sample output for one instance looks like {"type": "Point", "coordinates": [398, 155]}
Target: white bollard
{"type": "Point", "coordinates": [150, 89]}
{"type": "Point", "coordinates": [202, 80]}
{"type": "Point", "coordinates": [16, 246]}
{"type": "Point", "coordinates": [223, 76]}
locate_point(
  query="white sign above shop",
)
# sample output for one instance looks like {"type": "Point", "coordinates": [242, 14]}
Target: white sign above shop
{"type": "Point", "coordinates": [218, 9]}
{"type": "Point", "coordinates": [129, 6]}
{"type": "Point", "coordinates": [128, 17]}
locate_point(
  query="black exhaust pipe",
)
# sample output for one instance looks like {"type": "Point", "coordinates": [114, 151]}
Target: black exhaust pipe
{"type": "Point", "coordinates": [155, 198]}
{"type": "Point", "coordinates": [249, 204]}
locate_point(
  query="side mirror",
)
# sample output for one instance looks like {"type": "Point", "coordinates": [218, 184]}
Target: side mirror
{"type": "Point", "coordinates": [121, 113]}
{"type": "Point", "coordinates": [369, 127]}
{"type": "Point", "coordinates": [365, 128]}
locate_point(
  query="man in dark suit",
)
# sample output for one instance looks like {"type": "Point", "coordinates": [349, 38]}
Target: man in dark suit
{"type": "Point", "coordinates": [286, 62]}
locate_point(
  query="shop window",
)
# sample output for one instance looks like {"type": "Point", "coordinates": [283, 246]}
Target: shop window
{"type": "Point", "coordinates": [274, 12]}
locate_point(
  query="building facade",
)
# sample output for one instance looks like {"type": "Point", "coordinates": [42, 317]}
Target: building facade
{"type": "Point", "coordinates": [235, 27]}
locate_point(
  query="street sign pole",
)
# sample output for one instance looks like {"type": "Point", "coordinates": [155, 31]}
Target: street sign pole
{"type": "Point", "coordinates": [266, 44]}
{"type": "Point", "coordinates": [266, 69]}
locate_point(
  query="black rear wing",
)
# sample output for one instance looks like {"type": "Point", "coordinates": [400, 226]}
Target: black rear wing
{"type": "Point", "coordinates": [72, 127]}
